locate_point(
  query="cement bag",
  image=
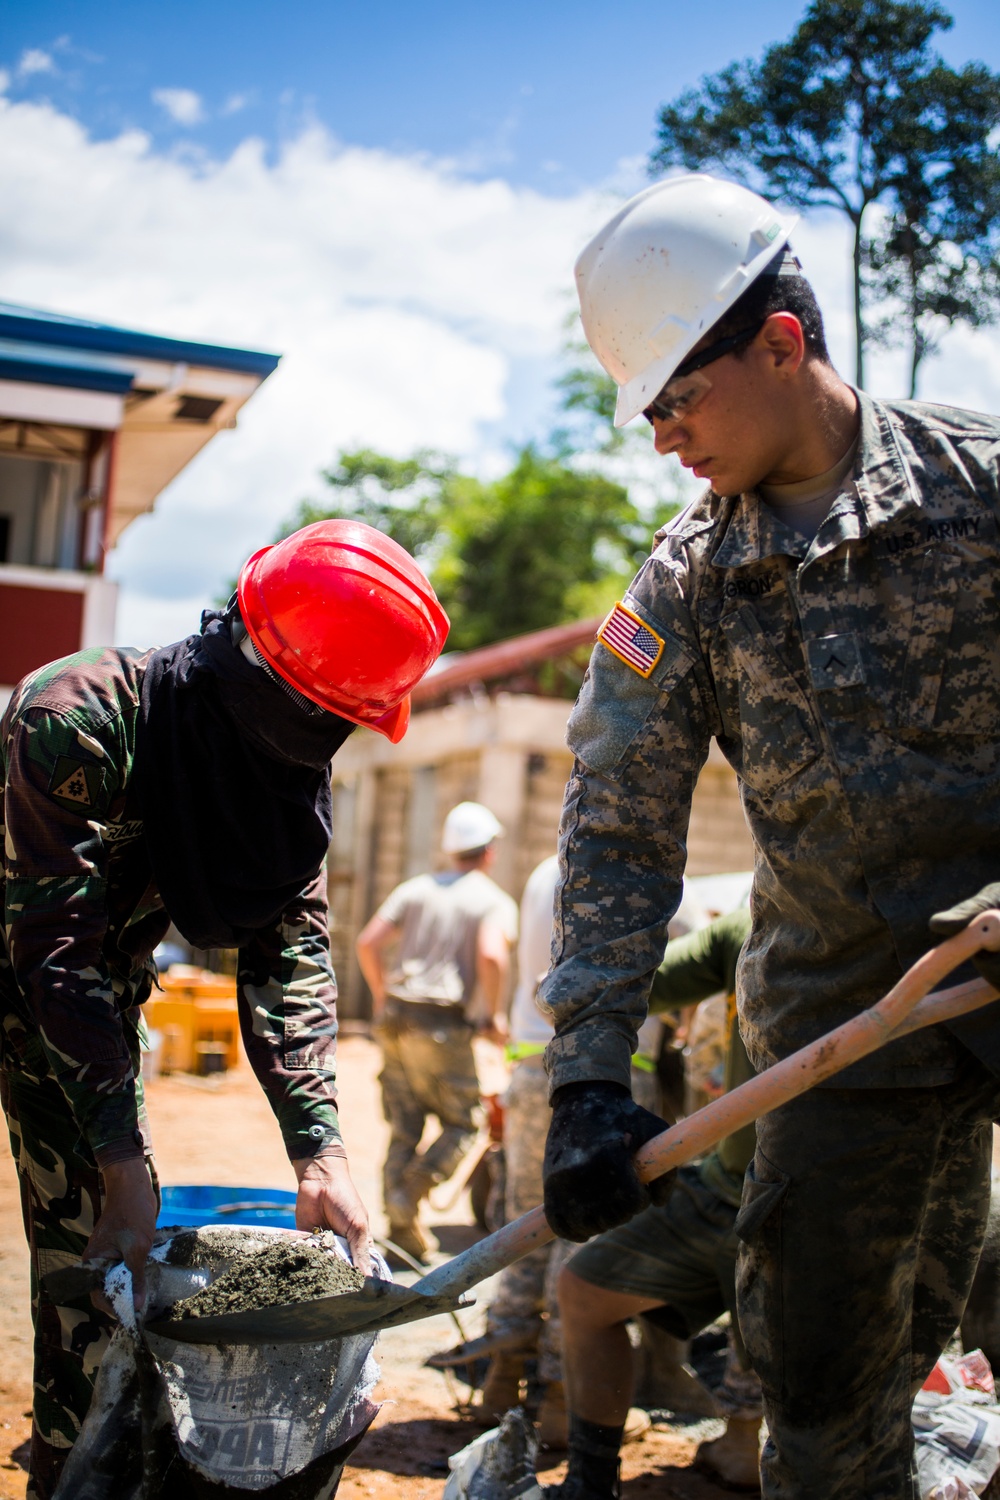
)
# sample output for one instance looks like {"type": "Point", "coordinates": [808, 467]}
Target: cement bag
{"type": "Point", "coordinates": [175, 1420]}
{"type": "Point", "coordinates": [956, 1429]}
{"type": "Point", "coordinates": [499, 1465]}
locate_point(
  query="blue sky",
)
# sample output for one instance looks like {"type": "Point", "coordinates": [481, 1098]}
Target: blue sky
{"type": "Point", "coordinates": [390, 196]}
{"type": "Point", "coordinates": [548, 94]}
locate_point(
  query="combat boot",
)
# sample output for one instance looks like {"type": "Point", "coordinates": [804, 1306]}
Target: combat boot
{"type": "Point", "coordinates": [733, 1458]}
{"type": "Point", "coordinates": [502, 1386]}
{"type": "Point", "coordinates": [579, 1486]}
{"type": "Point", "coordinates": [594, 1470]}
{"type": "Point", "coordinates": [410, 1238]}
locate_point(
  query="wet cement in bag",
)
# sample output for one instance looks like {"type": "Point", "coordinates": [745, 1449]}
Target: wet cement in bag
{"type": "Point", "coordinates": [171, 1421]}
{"type": "Point", "coordinates": [281, 1273]}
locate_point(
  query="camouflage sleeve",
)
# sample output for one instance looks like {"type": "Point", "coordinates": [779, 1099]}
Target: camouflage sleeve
{"type": "Point", "coordinates": [640, 736]}
{"type": "Point", "coordinates": [59, 782]}
{"type": "Point", "coordinates": [701, 963]}
{"type": "Point", "coordinates": [288, 1017]}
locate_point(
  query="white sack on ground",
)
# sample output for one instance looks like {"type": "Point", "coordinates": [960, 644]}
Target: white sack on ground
{"type": "Point", "coordinates": [498, 1465]}
{"type": "Point", "coordinates": [956, 1428]}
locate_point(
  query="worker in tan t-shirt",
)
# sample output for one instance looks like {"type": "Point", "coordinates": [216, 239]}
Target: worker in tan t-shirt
{"type": "Point", "coordinates": [454, 931]}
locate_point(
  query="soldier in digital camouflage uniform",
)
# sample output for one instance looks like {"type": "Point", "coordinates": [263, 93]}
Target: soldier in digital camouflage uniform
{"type": "Point", "coordinates": [191, 784]}
{"type": "Point", "coordinates": [828, 610]}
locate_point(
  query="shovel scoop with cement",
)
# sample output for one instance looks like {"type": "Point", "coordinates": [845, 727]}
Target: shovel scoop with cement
{"type": "Point", "coordinates": [907, 1007]}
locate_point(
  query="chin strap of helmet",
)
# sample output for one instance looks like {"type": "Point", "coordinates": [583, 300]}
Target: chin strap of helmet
{"type": "Point", "coordinates": [243, 642]}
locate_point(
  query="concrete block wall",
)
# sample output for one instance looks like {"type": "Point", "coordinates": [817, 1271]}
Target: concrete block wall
{"type": "Point", "coordinates": [390, 802]}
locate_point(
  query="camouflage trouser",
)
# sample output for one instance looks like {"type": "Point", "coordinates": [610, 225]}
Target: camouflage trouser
{"type": "Point", "coordinates": [60, 1202]}
{"type": "Point", "coordinates": [526, 1300]}
{"type": "Point", "coordinates": [862, 1220]}
{"type": "Point", "coordinates": [425, 1072]}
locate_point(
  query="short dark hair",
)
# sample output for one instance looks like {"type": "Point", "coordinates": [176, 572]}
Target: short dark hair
{"type": "Point", "coordinates": [771, 293]}
{"type": "Point", "coordinates": [472, 856]}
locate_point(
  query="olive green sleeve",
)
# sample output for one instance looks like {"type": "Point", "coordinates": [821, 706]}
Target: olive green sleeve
{"type": "Point", "coordinates": [700, 963]}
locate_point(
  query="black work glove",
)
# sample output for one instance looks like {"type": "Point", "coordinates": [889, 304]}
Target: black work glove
{"type": "Point", "coordinates": [957, 918]}
{"type": "Point", "coordinates": [590, 1182]}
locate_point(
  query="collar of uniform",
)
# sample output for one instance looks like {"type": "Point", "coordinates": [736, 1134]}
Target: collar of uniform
{"type": "Point", "coordinates": [754, 531]}
{"type": "Point", "coordinates": [886, 488]}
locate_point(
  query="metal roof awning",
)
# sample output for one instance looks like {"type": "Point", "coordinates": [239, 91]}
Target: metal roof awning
{"type": "Point", "coordinates": [35, 327]}
{"type": "Point", "coordinates": [163, 398]}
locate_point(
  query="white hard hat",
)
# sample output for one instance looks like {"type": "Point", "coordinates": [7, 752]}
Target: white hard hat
{"type": "Point", "coordinates": [663, 270]}
{"type": "Point", "coordinates": [469, 826]}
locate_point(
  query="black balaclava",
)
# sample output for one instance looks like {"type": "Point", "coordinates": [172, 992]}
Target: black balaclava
{"type": "Point", "coordinates": [232, 776]}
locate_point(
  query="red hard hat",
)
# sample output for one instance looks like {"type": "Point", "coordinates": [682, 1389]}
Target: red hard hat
{"type": "Point", "coordinates": [343, 614]}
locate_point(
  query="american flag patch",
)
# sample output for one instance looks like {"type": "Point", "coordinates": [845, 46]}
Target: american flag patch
{"type": "Point", "coordinates": [631, 640]}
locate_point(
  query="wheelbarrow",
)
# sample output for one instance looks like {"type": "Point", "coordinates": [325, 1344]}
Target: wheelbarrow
{"type": "Point", "coordinates": [907, 1007]}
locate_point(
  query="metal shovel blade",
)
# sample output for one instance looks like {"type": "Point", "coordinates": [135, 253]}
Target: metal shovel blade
{"type": "Point", "coordinates": [383, 1304]}
{"type": "Point", "coordinates": [73, 1282]}
{"type": "Point", "coordinates": [378, 1304]}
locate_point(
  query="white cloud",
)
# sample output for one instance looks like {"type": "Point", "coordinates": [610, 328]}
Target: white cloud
{"type": "Point", "coordinates": [182, 105]}
{"type": "Point", "coordinates": [235, 103]}
{"type": "Point", "coordinates": [413, 308]}
{"type": "Point", "coordinates": [34, 60]}
{"type": "Point", "coordinates": [405, 300]}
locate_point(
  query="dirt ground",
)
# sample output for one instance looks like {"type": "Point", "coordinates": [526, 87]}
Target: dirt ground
{"type": "Point", "coordinates": [208, 1131]}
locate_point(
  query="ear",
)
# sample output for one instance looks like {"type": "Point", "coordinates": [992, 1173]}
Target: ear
{"type": "Point", "coordinates": [784, 342]}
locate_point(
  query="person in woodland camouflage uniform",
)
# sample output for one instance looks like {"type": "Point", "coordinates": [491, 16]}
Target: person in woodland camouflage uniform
{"type": "Point", "coordinates": [828, 611]}
{"type": "Point", "coordinates": [192, 784]}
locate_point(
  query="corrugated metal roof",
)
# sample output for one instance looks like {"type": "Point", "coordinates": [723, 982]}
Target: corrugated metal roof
{"type": "Point", "coordinates": [29, 325]}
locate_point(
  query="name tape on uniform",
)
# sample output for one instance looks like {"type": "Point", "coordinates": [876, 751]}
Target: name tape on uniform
{"type": "Point", "coordinates": [631, 640]}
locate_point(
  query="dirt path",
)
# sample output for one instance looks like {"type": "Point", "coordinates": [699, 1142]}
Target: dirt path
{"type": "Point", "coordinates": [223, 1132]}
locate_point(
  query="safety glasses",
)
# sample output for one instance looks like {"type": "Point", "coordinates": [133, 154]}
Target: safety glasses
{"type": "Point", "coordinates": [688, 387]}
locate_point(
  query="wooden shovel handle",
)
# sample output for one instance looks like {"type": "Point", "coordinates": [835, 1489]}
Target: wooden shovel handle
{"type": "Point", "coordinates": [906, 1007]}
{"type": "Point", "coordinates": [829, 1054]}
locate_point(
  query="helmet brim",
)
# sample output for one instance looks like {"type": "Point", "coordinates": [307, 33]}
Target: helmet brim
{"type": "Point", "coordinates": [394, 724]}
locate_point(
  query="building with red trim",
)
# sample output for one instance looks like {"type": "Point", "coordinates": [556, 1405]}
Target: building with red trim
{"type": "Point", "coordinates": [94, 422]}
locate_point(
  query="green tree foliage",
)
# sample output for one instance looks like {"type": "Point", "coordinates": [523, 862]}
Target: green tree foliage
{"type": "Point", "coordinates": [937, 256]}
{"type": "Point", "coordinates": [590, 393]}
{"type": "Point", "coordinates": [543, 544]}
{"type": "Point", "coordinates": [856, 109]}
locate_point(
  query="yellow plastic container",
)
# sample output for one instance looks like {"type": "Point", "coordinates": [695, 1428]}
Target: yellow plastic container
{"type": "Point", "coordinates": [198, 1019]}
{"type": "Point", "coordinates": [216, 1021]}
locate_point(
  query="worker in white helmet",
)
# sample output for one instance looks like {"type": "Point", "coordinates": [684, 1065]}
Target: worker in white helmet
{"type": "Point", "coordinates": [828, 611]}
{"type": "Point", "coordinates": [453, 932]}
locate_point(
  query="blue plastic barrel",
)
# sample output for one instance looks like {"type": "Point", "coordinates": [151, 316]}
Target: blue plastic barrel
{"type": "Point", "coordinates": [194, 1205]}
